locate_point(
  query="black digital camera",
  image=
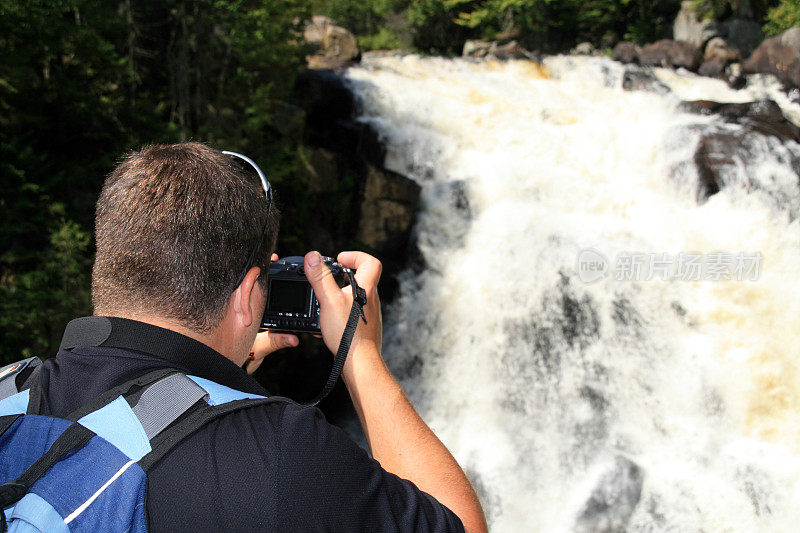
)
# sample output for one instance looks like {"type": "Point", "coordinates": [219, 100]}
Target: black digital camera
{"type": "Point", "coordinates": [291, 303]}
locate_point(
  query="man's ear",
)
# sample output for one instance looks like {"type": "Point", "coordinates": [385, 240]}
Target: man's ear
{"type": "Point", "coordinates": [243, 297]}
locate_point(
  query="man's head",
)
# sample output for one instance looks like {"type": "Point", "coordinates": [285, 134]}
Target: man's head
{"type": "Point", "coordinates": [175, 226]}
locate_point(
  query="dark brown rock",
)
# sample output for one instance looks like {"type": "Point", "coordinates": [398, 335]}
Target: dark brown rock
{"type": "Point", "coordinates": [669, 53]}
{"type": "Point", "coordinates": [625, 52]}
{"type": "Point", "coordinates": [715, 153]}
{"type": "Point", "coordinates": [780, 56]}
{"type": "Point", "coordinates": [388, 211]}
{"type": "Point", "coordinates": [714, 67]}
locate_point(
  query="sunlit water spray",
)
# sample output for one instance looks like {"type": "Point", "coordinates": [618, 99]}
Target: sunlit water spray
{"type": "Point", "coordinates": [616, 405]}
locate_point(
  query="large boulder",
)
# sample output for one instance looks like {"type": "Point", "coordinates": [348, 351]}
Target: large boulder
{"type": "Point", "coordinates": [688, 27]}
{"type": "Point", "coordinates": [718, 55]}
{"type": "Point", "coordinates": [335, 46]}
{"type": "Point", "coordinates": [669, 53]}
{"type": "Point", "coordinates": [625, 52]}
{"type": "Point", "coordinates": [780, 56]}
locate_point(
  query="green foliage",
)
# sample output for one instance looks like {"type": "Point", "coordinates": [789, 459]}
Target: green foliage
{"type": "Point", "coordinates": [721, 10]}
{"type": "Point", "coordinates": [384, 39]}
{"type": "Point", "coordinates": [782, 17]}
{"type": "Point", "coordinates": [36, 304]}
{"type": "Point", "coordinates": [546, 25]}
{"type": "Point", "coordinates": [81, 82]}
{"type": "Point", "coordinates": [714, 9]}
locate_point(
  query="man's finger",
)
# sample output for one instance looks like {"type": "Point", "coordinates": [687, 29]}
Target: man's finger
{"type": "Point", "coordinates": [368, 269]}
{"type": "Point", "coordinates": [269, 341]}
{"type": "Point", "coordinates": [320, 278]}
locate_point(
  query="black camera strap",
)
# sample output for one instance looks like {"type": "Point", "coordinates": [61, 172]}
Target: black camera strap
{"type": "Point", "coordinates": [359, 301]}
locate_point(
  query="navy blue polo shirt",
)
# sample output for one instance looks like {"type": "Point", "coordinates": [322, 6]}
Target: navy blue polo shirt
{"type": "Point", "coordinates": [272, 467]}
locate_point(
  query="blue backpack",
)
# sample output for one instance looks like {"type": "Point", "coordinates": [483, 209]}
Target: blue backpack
{"type": "Point", "coordinates": [88, 471]}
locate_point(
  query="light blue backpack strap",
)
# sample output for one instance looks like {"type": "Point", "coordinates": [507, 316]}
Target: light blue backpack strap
{"type": "Point", "coordinates": [219, 394]}
{"type": "Point", "coordinates": [8, 376]}
{"type": "Point", "coordinates": [118, 424]}
{"type": "Point", "coordinates": [16, 404]}
{"type": "Point", "coordinates": [165, 400]}
{"type": "Point", "coordinates": [130, 429]}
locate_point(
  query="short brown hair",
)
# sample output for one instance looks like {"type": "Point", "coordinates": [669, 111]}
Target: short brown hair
{"type": "Point", "coordinates": [175, 225]}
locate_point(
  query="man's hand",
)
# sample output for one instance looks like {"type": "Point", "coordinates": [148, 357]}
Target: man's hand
{"type": "Point", "coordinates": [266, 343]}
{"type": "Point", "coordinates": [335, 302]}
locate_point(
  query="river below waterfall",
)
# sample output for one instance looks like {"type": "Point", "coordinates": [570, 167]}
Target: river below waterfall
{"type": "Point", "coordinates": [579, 391]}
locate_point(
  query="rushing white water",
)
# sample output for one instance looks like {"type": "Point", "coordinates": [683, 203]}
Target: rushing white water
{"type": "Point", "coordinates": [646, 405]}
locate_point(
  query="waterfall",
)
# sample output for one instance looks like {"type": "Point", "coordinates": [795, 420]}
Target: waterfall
{"type": "Point", "coordinates": [620, 403]}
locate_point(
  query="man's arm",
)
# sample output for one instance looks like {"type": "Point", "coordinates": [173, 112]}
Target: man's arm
{"type": "Point", "coordinates": [398, 438]}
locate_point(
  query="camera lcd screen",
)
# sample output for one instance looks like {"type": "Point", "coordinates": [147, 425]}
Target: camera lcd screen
{"type": "Point", "coordinates": [288, 296]}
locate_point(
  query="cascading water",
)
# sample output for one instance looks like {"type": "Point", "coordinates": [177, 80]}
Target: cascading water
{"type": "Point", "coordinates": [612, 405]}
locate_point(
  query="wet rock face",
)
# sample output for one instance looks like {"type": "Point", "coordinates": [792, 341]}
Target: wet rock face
{"type": "Point", "coordinates": [779, 55]}
{"type": "Point", "coordinates": [388, 211]}
{"type": "Point", "coordinates": [642, 79]}
{"type": "Point", "coordinates": [612, 502]}
{"type": "Point", "coordinates": [722, 150]}
{"type": "Point", "coordinates": [375, 208]}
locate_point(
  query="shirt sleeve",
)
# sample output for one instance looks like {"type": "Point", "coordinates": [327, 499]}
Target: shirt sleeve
{"type": "Point", "coordinates": [330, 483]}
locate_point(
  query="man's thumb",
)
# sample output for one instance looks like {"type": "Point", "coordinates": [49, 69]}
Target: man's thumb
{"type": "Point", "coordinates": [319, 276]}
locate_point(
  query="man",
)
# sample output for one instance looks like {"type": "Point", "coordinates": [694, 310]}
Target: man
{"type": "Point", "coordinates": [175, 226]}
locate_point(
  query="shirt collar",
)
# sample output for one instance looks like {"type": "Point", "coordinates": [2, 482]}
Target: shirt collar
{"type": "Point", "coordinates": [200, 360]}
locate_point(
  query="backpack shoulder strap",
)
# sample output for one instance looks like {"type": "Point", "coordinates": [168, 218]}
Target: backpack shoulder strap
{"type": "Point", "coordinates": [167, 440]}
{"type": "Point", "coordinates": [221, 401]}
